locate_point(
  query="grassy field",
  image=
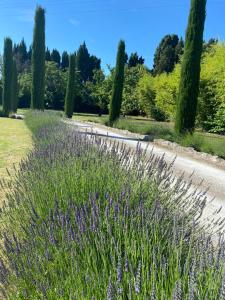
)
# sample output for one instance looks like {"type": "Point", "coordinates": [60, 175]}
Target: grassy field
{"type": "Point", "coordinates": [200, 141]}
{"type": "Point", "coordinates": [15, 141]}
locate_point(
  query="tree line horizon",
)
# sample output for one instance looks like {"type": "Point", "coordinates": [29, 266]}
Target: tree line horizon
{"type": "Point", "coordinates": [171, 48]}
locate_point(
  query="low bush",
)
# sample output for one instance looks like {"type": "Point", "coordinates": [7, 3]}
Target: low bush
{"type": "Point", "coordinates": [192, 140]}
{"type": "Point", "coordinates": [89, 219]}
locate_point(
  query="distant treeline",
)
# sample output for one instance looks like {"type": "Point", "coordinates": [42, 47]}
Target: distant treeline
{"type": "Point", "coordinates": [151, 92]}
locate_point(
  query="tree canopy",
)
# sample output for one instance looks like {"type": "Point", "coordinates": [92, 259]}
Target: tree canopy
{"type": "Point", "coordinates": [167, 54]}
{"type": "Point", "coordinates": [86, 63]}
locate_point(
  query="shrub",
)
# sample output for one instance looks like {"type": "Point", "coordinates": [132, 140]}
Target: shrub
{"type": "Point", "coordinates": [130, 103]}
{"type": "Point", "coordinates": [148, 93]}
{"type": "Point", "coordinates": [211, 107]}
{"type": "Point", "coordinates": [192, 140]}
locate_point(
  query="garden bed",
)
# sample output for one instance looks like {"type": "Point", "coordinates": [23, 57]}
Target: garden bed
{"type": "Point", "coordinates": [83, 222]}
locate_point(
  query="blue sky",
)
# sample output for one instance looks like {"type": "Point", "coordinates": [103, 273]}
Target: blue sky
{"type": "Point", "coordinates": [101, 23]}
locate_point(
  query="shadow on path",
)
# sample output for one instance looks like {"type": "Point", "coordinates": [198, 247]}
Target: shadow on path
{"type": "Point", "coordinates": [145, 139]}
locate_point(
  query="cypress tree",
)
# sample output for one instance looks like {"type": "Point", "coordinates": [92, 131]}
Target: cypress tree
{"type": "Point", "coordinates": [29, 53]}
{"type": "Point", "coordinates": [190, 70]}
{"type": "Point", "coordinates": [15, 88]}
{"type": "Point", "coordinates": [116, 100]}
{"type": "Point", "coordinates": [56, 57]}
{"type": "Point", "coordinates": [83, 62]}
{"type": "Point", "coordinates": [7, 76]}
{"type": "Point", "coordinates": [69, 101]}
{"type": "Point", "coordinates": [48, 55]}
{"type": "Point", "coordinates": [86, 63]}
{"type": "Point", "coordinates": [135, 60]}
{"type": "Point", "coordinates": [65, 60]}
{"type": "Point", "coordinates": [38, 60]}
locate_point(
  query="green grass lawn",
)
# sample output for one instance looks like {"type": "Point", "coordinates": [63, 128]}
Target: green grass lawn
{"type": "Point", "coordinates": [200, 141]}
{"type": "Point", "coordinates": [15, 141]}
{"type": "Point", "coordinates": [90, 118]}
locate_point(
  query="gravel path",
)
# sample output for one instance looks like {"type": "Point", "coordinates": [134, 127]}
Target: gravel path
{"type": "Point", "coordinates": [210, 175]}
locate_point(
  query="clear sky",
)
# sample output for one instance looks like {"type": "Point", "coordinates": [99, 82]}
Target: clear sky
{"type": "Point", "coordinates": [101, 23]}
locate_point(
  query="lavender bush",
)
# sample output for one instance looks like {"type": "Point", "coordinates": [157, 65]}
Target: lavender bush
{"type": "Point", "coordinates": [90, 219]}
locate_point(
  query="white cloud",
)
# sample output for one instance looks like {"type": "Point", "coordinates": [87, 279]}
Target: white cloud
{"type": "Point", "coordinates": [74, 22]}
{"type": "Point", "coordinates": [26, 15]}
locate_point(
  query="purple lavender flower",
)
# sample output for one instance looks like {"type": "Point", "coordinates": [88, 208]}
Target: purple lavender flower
{"type": "Point", "coordinates": [137, 285]}
{"type": "Point", "coordinates": [153, 292]}
{"type": "Point", "coordinates": [177, 292]}
{"type": "Point", "coordinates": [126, 264]}
{"type": "Point", "coordinates": [110, 292]}
{"type": "Point", "coordinates": [119, 270]}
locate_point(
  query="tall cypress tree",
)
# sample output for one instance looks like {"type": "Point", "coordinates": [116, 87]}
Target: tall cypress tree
{"type": "Point", "coordinates": [15, 88]}
{"type": "Point", "coordinates": [38, 60]}
{"type": "Point", "coordinates": [7, 76]}
{"type": "Point", "coordinates": [116, 100]}
{"type": "Point", "coordinates": [69, 101]}
{"type": "Point", "coordinates": [190, 70]}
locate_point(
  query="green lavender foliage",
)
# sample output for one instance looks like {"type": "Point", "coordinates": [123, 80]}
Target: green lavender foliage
{"type": "Point", "coordinates": [7, 76]}
{"type": "Point", "coordinates": [38, 60]}
{"type": "Point", "coordinates": [69, 101]}
{"type": "Point", "coordinates": [15, 88]}
{"type": "Point", "coordinates": [116, 101]}
{"type": "Point", "coordinates": [190, 71]}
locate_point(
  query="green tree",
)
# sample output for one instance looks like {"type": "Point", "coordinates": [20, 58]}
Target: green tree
{"type": "Point", "coordinates": [211, 102]}
{"type": "Point", "coordinates": [167, 53]}
{"type": "Point", "coordinates": [55, 87]}
{"type": "Point", "coordinates": [48, 55]}
{"type": "Point", "coordinates": [208, 45]}
{"type": "Point", "coordinates": [22, 50]}
{"type": "Point", "coordinates": [94, 64]}
{"type": "Point", "coordinates": [38, 60]}
{"type": "Point", "coordinates": [25, 83]}
{"type": "Point", "coordinates": [190, 70]}
{"type": "Point", "coordinates": [0, 92]}
{"type": "Point", "coordinates": [130, 103]}
{"type": "Point", "coordinates": [55, 56]}
{"type": "Point", "coordinates": [117, 93]}
{"type": "Point", "coordinates": [179, 50]}
{"type": "Point", "coordinates": [7, 76]}
{"type": "Point", "coordinates": [69, 101]}
{"type": "Point", "coordinates": [99, 91]}
{"type": "Point", "coordinates": [82, 62]}
{"type": "Point", "coordinates": [65, 60]}
{"type": "Point", "coordinates": [86, 63]}
{"type": "Point", "coordinates": [29, 53]}
{"type": "Point", "coordinates": [146, 93]}
{"type": "Point", "coordinates": [21, 56]}
{"type": "Point", "coordinates": [15, 88]}
{"type": "Point", "coordinates": [135, 60]}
